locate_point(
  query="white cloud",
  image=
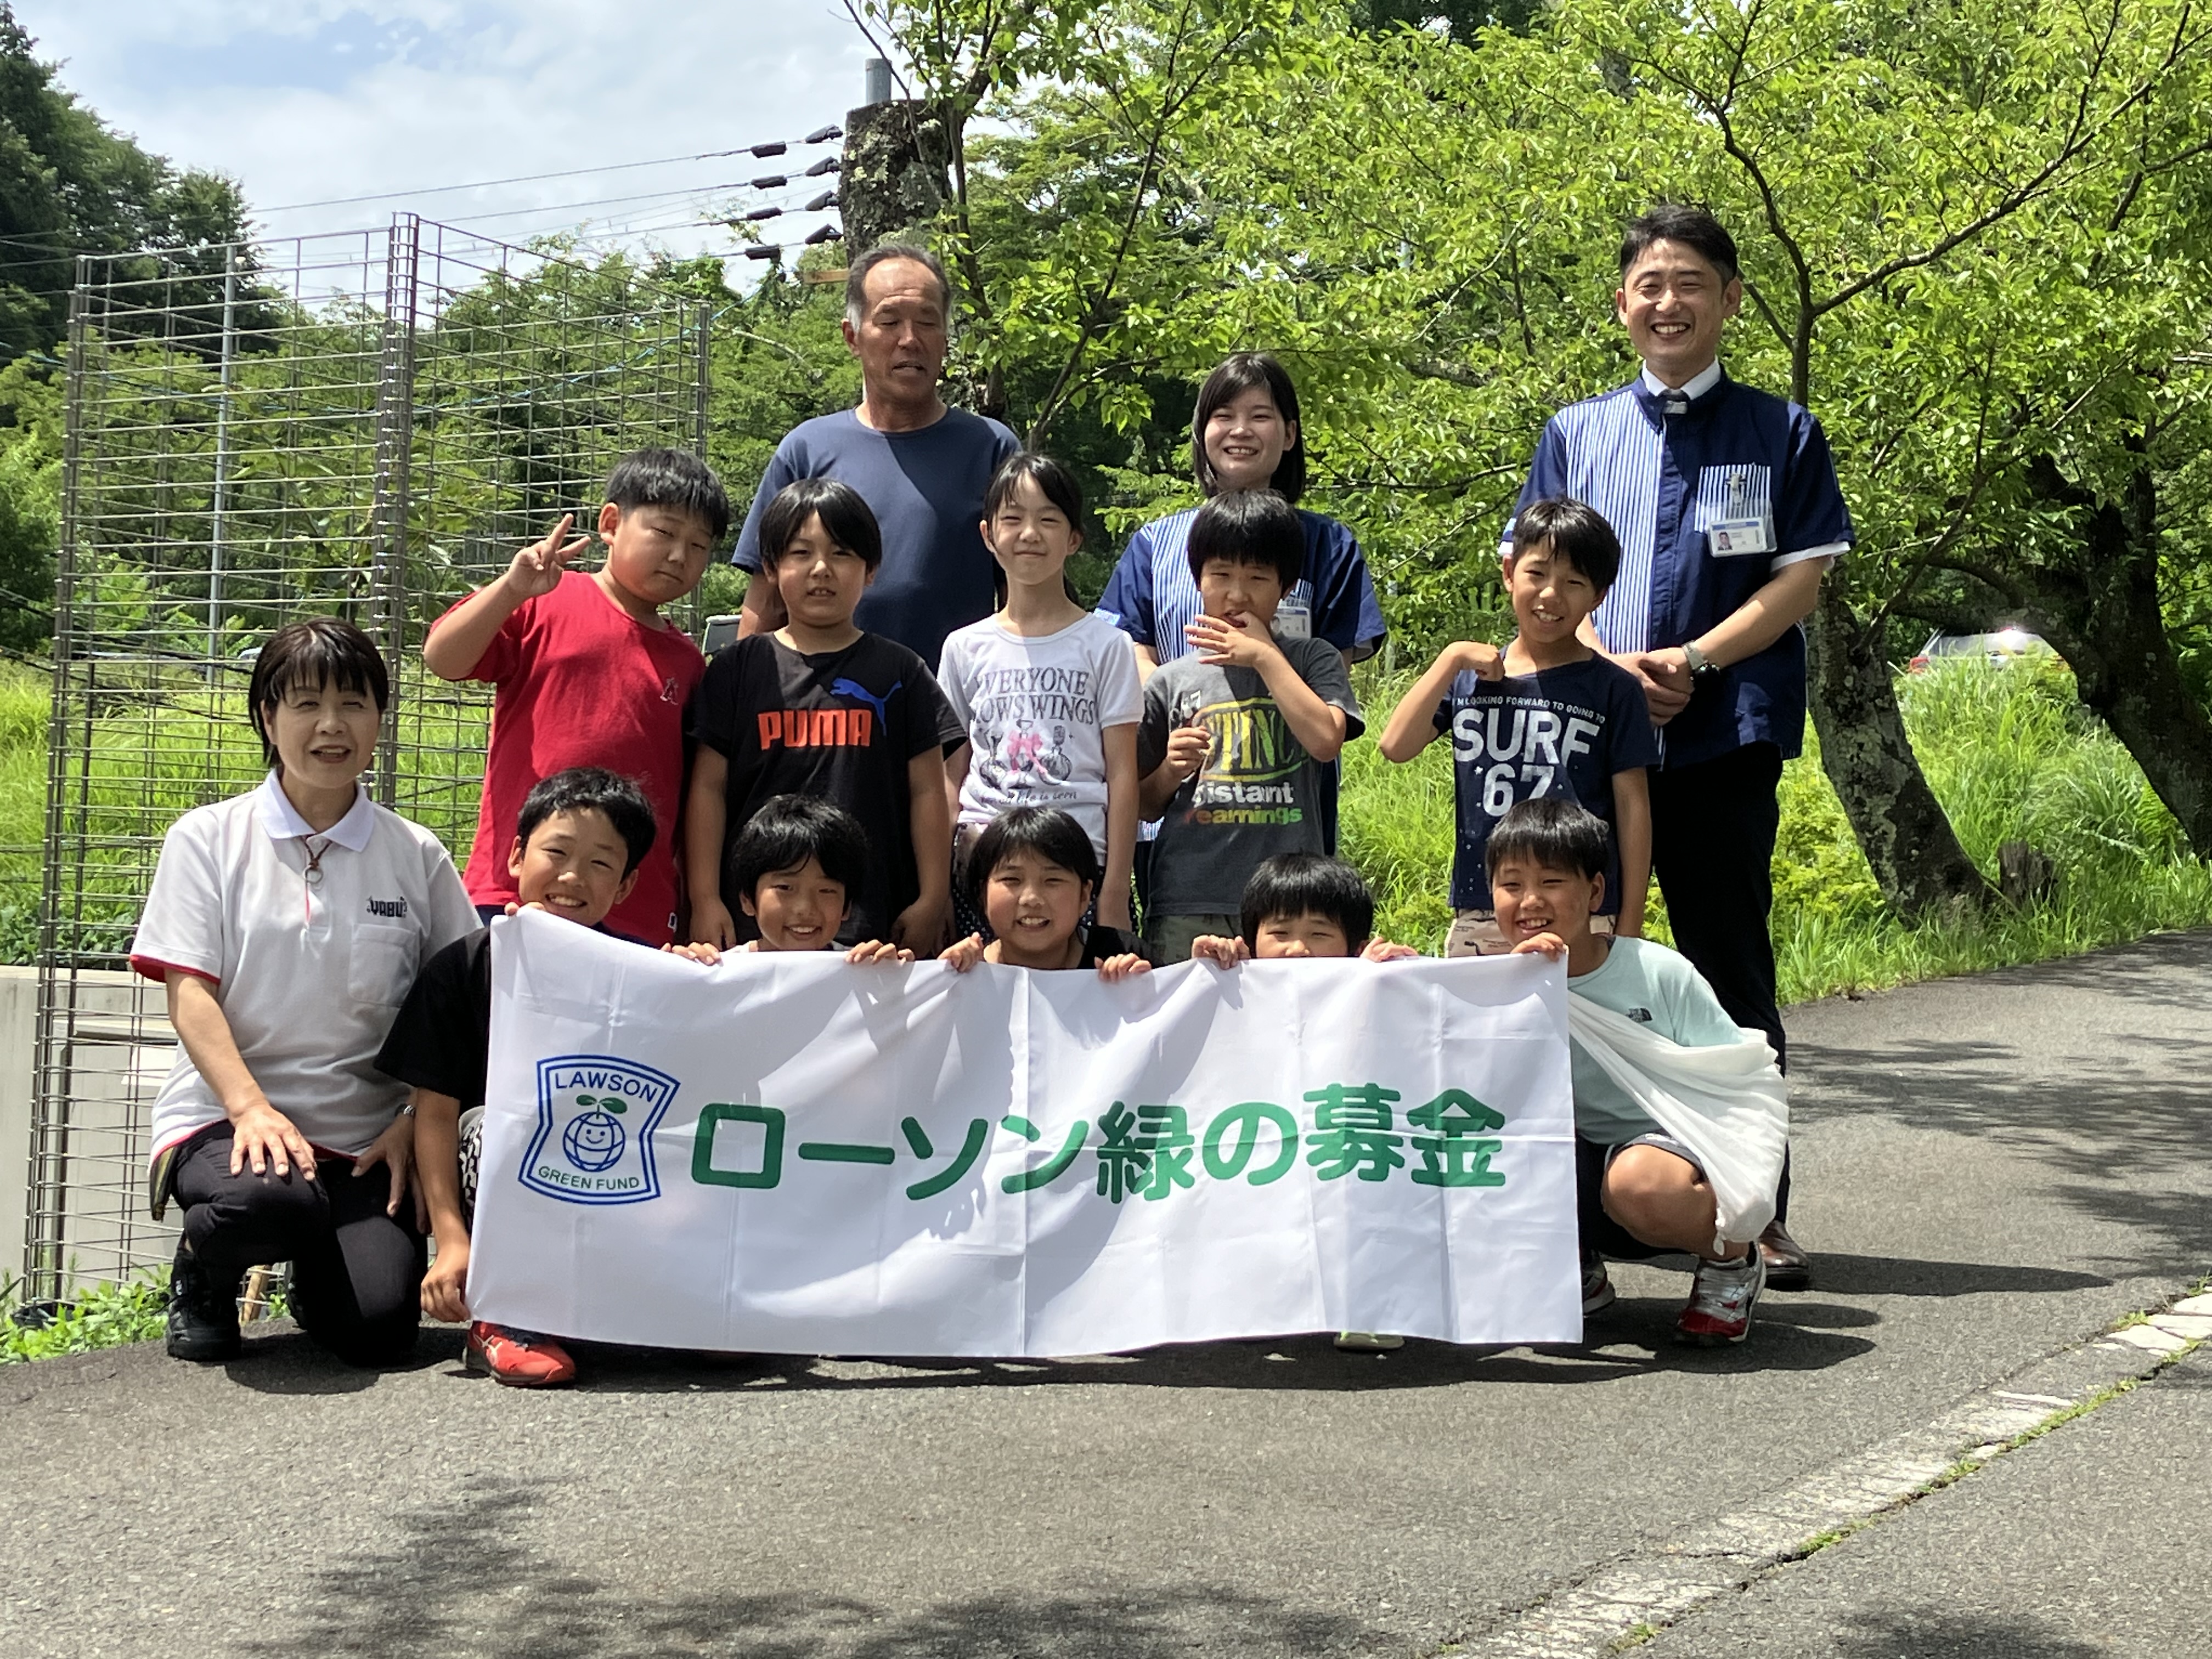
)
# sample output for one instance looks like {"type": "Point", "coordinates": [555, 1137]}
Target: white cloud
{"type": "Point", "coordinates": [305, 100]}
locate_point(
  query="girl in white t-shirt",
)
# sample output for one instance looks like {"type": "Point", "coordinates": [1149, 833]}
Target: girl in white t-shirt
{"type": "Point", "coordinates": [1047, 690]}
{"type": "Point", "coordinates": [286, 925]}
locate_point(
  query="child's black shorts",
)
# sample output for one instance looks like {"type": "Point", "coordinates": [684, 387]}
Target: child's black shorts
{"type": "Point", "coordinates": [1600, 1232]}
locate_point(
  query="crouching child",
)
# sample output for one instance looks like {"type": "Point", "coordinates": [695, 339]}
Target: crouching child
{"type": "Point", "coordinates": [581, 838]}
{"type": "Point", "coordinates": [1302, 905]}
{"type": "Point", "coordinates": [1649, 1039]}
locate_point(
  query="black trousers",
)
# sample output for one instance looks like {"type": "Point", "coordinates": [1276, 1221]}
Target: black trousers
{"type": "Point", "coordinates": [356, 1272]}
{"type": "Point", "coordinates": [1713, 847]}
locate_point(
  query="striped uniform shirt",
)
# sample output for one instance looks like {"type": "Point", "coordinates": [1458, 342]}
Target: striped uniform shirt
{"type": "Point", "coordinates": [1673, 472]}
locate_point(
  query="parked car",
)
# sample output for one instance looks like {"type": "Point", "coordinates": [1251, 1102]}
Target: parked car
{"type": "Point", "coordinates": [2000, 649]}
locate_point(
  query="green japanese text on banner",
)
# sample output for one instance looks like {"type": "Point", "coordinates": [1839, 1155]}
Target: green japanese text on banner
{"type": "Point", "coordinates": [788, 1154]}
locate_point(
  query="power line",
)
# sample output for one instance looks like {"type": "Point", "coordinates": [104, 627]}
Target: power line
{"type": "Point", "coordinates": [774, 146]}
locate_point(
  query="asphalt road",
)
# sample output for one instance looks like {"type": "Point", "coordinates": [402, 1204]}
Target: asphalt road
{"type": "Point", "coordinates": [1987, 1169]}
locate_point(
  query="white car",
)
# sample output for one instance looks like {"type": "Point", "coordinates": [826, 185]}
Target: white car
{"type": "Point", "coordinates": [2000, 649]}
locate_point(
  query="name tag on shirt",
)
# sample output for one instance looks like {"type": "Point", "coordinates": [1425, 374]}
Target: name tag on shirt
{"type": "Point", "coordinates": [1735, 509]}
{"type": "Point", "coordinates": [1729, 537]}
{"type": "Point", "coordinates": [1294, 620]}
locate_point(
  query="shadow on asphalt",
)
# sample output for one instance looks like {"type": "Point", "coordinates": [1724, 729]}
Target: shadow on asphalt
{"type": "Point", "coordinates": [2130, 1129]}
{"type": "Point", "coordinates": [1890, 1275]}
{"type": "Point", "coordinates": [281, 1360]}
{"type": "Point", "coordinates": [1957, 1636]}
{"type": "Point", "coordinates": [463, 1582]}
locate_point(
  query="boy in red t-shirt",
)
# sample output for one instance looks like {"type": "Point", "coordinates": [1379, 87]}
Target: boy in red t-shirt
{"type": "Point", "coordinates": [588, 672]}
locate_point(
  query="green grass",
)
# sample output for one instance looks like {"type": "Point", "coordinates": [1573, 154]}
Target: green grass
{"type": "Point", "coordinates": [2011, 755]}
{"type": "Point", "coordinates": [103, 1317]}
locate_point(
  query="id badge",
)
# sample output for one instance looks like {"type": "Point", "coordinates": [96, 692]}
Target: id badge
{"type": "Point", "coordinates": [1294, 620]}
{"type": "Point", "coordinates": [1733, 538]}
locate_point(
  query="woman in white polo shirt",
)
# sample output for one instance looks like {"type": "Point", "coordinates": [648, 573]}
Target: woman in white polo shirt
{"type": "Point", "coordinates": [288, 924]}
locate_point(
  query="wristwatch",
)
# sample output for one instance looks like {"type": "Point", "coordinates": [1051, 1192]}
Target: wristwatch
{"type": "Point", "coordinates": [1700, 664]}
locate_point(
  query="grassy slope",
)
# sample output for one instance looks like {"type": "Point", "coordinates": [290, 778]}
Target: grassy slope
{"type": "Point", "coordinates": [2010, 752]}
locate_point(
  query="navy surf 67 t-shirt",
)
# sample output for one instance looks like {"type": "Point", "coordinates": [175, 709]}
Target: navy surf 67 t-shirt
{"type": "Point", "coordinates": [1559, 732]}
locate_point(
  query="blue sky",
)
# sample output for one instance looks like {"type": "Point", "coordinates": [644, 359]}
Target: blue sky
{"type": "Point", "coordinates": [303, 100]}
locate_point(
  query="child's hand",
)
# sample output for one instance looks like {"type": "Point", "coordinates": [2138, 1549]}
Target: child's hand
{"type": "Point", "coordinates": [712, 923]}
{"type": "Point", "coordinates": [1548, 945]}
{"type": "Point", "coordinates": [1472, 657]}
{"type": "Point", "coordinates": [706, 955]}
{"type": "Point", "coordinates": [1187, 748]}
{"type": "Point", "coordinates": [1246, 642]}
{"type": "Point", "coordinates": [395, 1150]}
{"type": "Point", "coordinates": [964, 956]}
{"type": "Point", "coordinates": [1127, 965]}
{"type": "Point", "coordinates": [1114, 912]}
{"type": "Point", "coordinates": [1381, 949]}
{"type": "Point", "coordinates": [1221, 952]}
{"type": "Point", "coordinates": [871, 953]}
{"type": "Point", "coordinates": [442, 1287]}
{"type": "Point", "coordinates": [920, 925]}
{"type": "Point", "coordinates": [537, 569]}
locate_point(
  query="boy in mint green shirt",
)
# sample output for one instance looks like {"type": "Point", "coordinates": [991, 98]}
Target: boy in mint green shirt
{"type": "Point", "coordinates": [1640, 1192]}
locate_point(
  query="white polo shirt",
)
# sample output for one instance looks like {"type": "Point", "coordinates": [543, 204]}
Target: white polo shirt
{"type": "Point", "coordinates": [309, 972]}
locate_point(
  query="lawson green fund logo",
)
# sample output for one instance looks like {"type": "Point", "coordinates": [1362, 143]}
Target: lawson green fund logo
{"type": "Point", "coordinates": [596, 1115]}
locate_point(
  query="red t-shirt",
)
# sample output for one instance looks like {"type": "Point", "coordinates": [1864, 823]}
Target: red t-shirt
{"type": "Point", "coordinates": [583, 683]}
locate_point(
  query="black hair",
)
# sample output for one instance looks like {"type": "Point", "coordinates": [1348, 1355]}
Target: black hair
{"type": "Point", "coordinates": [1249, 527]}
{"type": "Point", "coordinates": [847, 519]}
{"type": "Point", "coordinates": [310, 655]}
{"type": "Point", "coordinates": [789, 830]}
{"type": "Point", "coordinates": [1293, 884]}
{"type": "Point", "coordinates": [856, 276]}
{"type": "Point", "coordinates": [1250, 371]}
{"type": "Point", "coordinates": [1693, 226]}
{"type": "Point", "coordinates": [615, 798]}
{"type": "Point", "coordinates": [1576, 532]}
{"type": "Point", "coordinates": [1049, 833]}
{"type": "Point", "coordinates": [1053, 481]}
{"type": "Point", "coordinates": [1552, 833]}
{"type": "Point", "coordinates": [673, 478]}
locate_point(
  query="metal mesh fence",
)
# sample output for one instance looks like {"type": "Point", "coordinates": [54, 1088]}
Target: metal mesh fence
{"type": "Point", "coordinates": [365, 425]}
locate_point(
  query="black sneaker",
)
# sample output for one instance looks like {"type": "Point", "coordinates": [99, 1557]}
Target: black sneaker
{"type": "Point", "coordinates": [203, 1316]}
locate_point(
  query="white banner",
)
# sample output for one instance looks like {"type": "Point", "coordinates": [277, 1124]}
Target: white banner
{"type": "Point", "coordinates": [787, 1154]}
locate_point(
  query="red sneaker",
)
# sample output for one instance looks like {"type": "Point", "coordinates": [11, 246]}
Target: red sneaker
{"type": "Point", "coordinates": [1722, 1297]}
{"type": "Point", "coordinates": [521, 1359]}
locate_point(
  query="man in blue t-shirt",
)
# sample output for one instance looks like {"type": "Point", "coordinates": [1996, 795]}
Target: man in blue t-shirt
{"type": "Point", "coordinates": [921, 464]}
{"type": "Point", "coordinates": [1729, 512]}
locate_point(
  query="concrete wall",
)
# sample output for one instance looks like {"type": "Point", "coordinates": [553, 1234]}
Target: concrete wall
{"type": "Point", "coordinates": [121, 1050]}
{"type": "Point", "coordinates": [19, 1025]}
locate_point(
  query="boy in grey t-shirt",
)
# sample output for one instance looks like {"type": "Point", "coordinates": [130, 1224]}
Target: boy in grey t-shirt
{"type": "Point", "coordinates": [1235, 736]}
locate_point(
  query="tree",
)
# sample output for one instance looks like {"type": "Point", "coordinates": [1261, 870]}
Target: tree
{"type": "Point", "coordinates": [69, 184]}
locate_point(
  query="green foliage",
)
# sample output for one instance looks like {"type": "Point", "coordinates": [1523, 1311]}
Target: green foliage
{"type": "Point", "coordinates": [104, 1316]}
{"type": "Point", "coordinates": [69, 183]}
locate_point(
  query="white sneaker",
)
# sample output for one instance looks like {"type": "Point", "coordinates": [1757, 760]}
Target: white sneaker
{"type": "Point", "coordinates": [1722, 1297]}
{"type": "Point", "coordinates": [1597, 1288]}
{"type": "Point", "coordinates": [1368, 1341]}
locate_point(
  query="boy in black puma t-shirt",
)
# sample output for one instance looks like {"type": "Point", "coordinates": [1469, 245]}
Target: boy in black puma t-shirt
{"type": "Point", "coordinates": [820, 708]}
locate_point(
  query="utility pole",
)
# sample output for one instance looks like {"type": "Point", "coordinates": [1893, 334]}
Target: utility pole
{"type": "Point", "coordinates": [893, 173]}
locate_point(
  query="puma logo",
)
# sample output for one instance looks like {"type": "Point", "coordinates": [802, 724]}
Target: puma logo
{"type": "Point", "coordinates": [845, 688]}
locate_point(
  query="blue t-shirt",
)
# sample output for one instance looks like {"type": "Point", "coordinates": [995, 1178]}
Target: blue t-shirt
{"type": "Point", "coordinates": [1152, 596]}
{"type": "Point", "coordinates": [925, 489]}
{"type": "Point", "coordinates": [1663, 480]}
{"type": "Point", "coordinates": [1559, 732]}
